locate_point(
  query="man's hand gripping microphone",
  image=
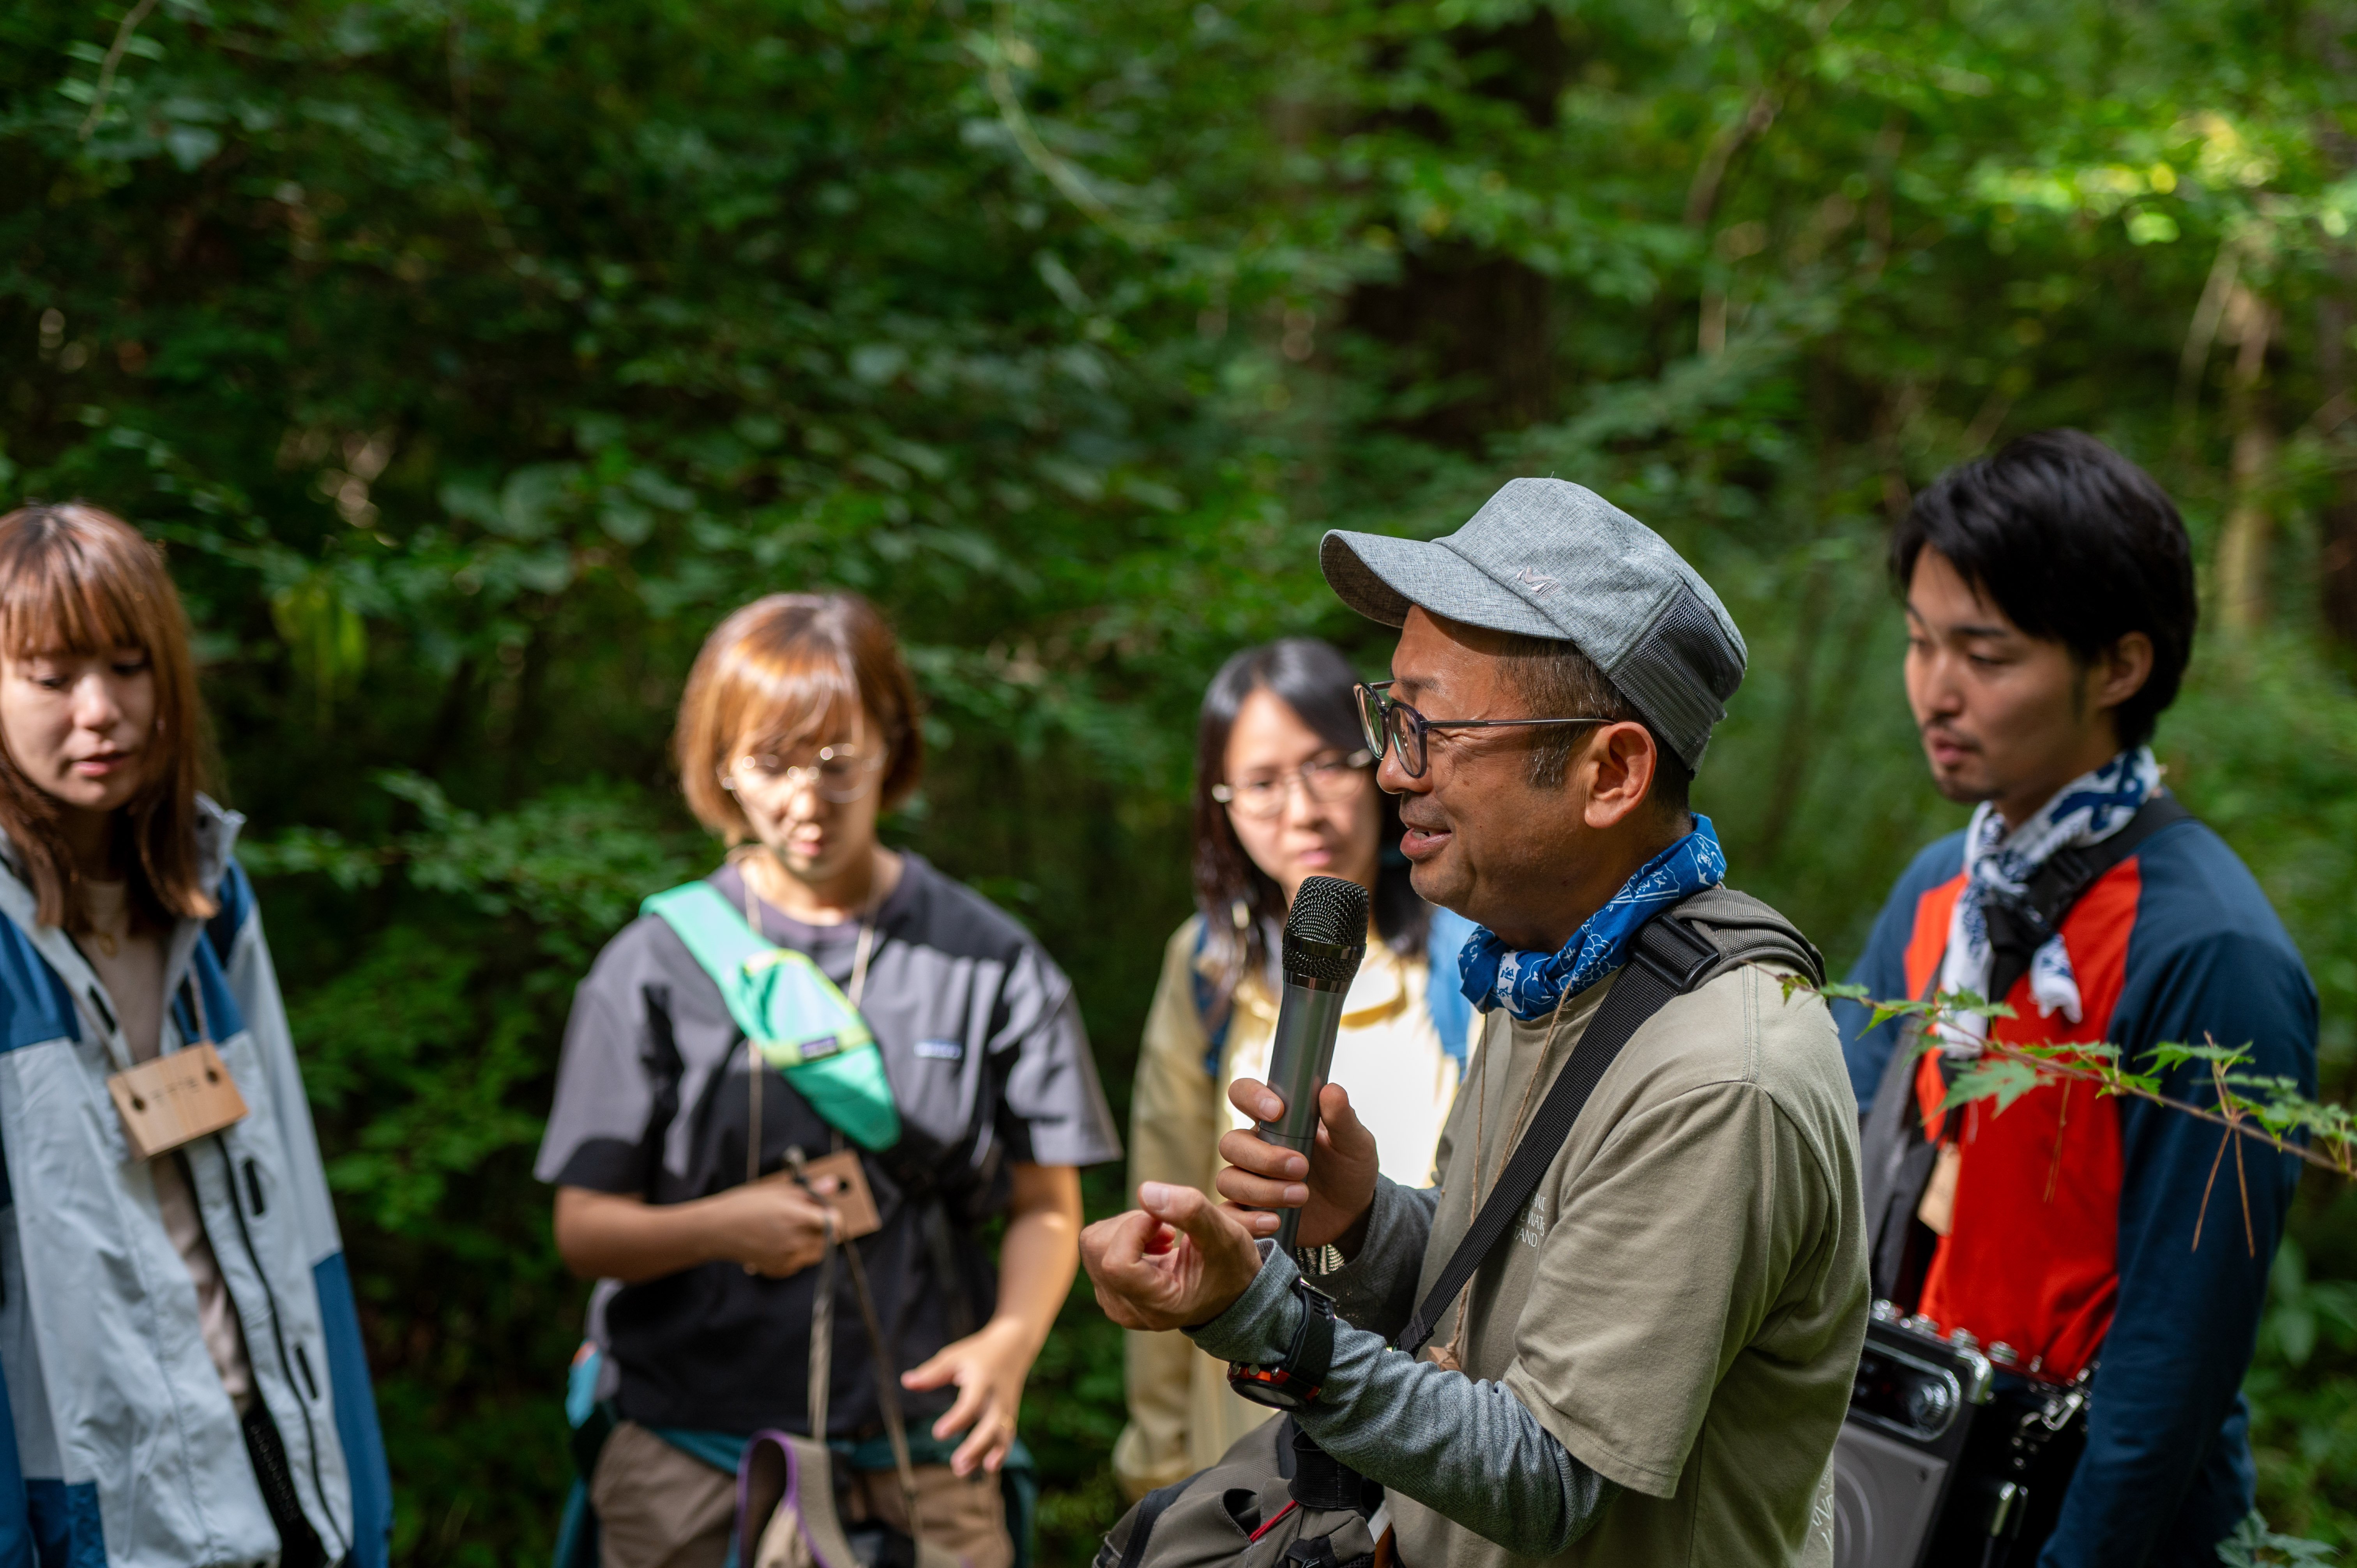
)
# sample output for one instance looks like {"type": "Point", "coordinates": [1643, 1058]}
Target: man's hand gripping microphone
{"type": "Point", "coordinates": [1325, 939]}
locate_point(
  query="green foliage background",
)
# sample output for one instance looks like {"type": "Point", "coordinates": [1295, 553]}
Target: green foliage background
{"type": "Point", "coordinates": [474, 356]}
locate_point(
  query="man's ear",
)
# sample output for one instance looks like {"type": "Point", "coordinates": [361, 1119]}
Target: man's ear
{"type": "Point", "coordinates": [2119, 672]}
{"type": "Point", "coordinates": [1621, 762]}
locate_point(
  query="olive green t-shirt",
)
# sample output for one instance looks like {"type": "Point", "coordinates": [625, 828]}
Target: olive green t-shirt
{"type": "Point", "coordinates": [1682, 1302]}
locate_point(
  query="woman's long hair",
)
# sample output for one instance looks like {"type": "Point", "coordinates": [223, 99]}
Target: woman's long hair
{"type": "Point", "coordinates": [1241, 904]}
{"type": "Point", "coordinates": [76, 579]}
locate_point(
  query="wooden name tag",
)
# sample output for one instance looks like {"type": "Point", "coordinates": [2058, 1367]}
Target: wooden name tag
{"type": "Point", "coordinates": [168, 1101]}
{"type": "Point", "coordinates": [1937, 1209]}
{"type": "Point", "coordinates": [838, 1181]}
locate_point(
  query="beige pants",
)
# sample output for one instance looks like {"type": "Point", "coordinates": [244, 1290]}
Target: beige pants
{"type": "Point", "coordinates": [658, 1507]}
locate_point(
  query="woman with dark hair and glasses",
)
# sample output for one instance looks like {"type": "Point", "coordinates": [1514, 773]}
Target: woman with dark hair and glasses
{"type": "Point", "coordinates": [1285, 789]}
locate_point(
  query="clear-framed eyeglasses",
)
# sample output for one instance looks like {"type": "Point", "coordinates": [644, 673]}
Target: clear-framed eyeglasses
{"type": "Point", "coordinates": [838, 773]}
{"type": "Point", "coordinates": [1329, 780]}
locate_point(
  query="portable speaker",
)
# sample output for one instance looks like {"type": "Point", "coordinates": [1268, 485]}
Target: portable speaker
{"type": "Point", "coordinates": [1897, 1459]}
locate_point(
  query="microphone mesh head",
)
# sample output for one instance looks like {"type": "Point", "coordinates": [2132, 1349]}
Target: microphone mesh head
{"type": "Point", "coordinates": [1326, 930]}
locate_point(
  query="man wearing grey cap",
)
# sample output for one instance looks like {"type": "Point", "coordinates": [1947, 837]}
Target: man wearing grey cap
{"type": "Point", "coordinates": [1652, 1367]}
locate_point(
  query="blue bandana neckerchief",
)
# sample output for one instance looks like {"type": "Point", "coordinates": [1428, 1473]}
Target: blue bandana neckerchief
{"type": "Point", "coordinates": [1531, 984]}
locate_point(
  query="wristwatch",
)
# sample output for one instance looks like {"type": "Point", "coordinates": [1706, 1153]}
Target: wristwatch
{"type": "Point", "coordinates": [1294, 1383]}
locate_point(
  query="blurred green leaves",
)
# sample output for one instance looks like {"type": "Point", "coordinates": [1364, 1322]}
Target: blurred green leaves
{"type": "Point", "coordinates": [2302, 1312]}
{"type": "Point", "coordinates": [471, 359]}
{"type": "Point", "coordinates": [573, 862]}
{"type": "Point", "coordinates": [325, 639]}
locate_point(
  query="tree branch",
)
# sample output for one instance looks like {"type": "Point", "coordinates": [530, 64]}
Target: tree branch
{"type": "Point", "coordinates": [131, 21]}
{"type": "Point", "coordinates": [1058, 173]}
{"type": "Point", "coordinates": [2201, 332]}
{"type": "Point", "coordinates": [2114, 1084]}
{"type": "Point", "coordinates": [1702, 195]}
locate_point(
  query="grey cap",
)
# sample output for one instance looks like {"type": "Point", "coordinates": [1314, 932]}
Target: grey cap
{"type": "Point", "coordinates": [1546, 558]}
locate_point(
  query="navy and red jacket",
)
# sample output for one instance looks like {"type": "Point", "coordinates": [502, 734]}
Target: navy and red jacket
{"type": "Point", "coordinates": [2075, 1220]}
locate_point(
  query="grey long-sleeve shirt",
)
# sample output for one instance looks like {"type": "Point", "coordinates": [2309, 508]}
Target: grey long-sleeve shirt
{"type": "Point", "coordinates": [1467, 1449]}
{"type": "Point", "coordinates": [1679, 1304]}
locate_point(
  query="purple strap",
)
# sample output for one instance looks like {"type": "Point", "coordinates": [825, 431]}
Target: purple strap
{"type": "Point", "coordinates": [748, 1537]}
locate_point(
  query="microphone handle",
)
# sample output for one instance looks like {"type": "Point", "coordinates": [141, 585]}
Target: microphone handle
{"type": "Point", "coordinates": [1309, 1016]}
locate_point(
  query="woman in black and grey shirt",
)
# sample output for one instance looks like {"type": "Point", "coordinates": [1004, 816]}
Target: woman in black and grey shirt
{"type": "Point", "coordinates": [798, 727]}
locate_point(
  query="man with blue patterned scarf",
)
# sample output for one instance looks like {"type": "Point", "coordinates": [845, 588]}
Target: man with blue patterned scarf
{"type": "Point", "coordinates": [1654, 1361]}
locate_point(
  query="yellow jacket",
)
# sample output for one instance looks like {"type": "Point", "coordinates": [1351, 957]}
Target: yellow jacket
{"type": "Point", "coordinates": [1387, 1054]}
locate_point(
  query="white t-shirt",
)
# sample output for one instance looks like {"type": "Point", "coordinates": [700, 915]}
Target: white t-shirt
{"type": "Point", "coordinates": [131, 969]}
{"type": "Point", "coordinates": [1387, 1054]}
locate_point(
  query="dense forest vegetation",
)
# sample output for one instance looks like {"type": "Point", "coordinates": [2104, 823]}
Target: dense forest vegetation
{"type": "Point", "coordinates": [471, 357]}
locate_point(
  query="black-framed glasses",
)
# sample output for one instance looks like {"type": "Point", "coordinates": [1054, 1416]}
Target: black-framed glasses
{"type": "Point", "coordinates": [1327, 780]}
{"type": "Point", "coordinates": [1389, 722]}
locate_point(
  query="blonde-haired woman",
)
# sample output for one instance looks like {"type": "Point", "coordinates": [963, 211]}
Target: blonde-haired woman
{"type": "Point", "coordinates": [1284, 791]}
{"type": "Point", "coordinates": [798, 728]}
{"type": "Point", "coordinates": [184, 1377]}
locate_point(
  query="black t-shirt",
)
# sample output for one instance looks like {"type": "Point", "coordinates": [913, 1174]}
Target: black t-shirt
{"type": "Point", "coordinates": [983, 1044]}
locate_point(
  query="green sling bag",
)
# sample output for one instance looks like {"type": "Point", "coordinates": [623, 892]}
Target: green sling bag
{"type": "Point", "coordinates": [796, 1017]}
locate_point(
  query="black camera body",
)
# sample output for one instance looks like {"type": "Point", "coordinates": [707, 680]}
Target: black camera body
{"type": "Point", "coordinates": [1951, 1457]}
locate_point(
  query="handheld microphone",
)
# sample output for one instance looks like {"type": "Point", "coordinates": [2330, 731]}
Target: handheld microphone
{"type": "Point", "coordinates": [1325, 938]}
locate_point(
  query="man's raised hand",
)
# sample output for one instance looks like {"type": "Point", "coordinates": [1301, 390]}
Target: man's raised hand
{"type": "Point", "coordinates": [1334, 1189]}
{"type": "Point", "coordinates": [1179, 1261]}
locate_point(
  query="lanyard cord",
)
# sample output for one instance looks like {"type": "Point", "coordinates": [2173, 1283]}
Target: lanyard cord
{"type": "Point", "coordinates": [196, 996]}
{"type": "Point", "coordinates": [858, 986]}
{"type": "Point", "coordinates": [859, 958]}
{"type": "Point", "coordinates": [756, 1064]}
{"type": "Point", "coordinates": [1454, 1351]}
{"type": "Point", "coordinates": [822, 1341]}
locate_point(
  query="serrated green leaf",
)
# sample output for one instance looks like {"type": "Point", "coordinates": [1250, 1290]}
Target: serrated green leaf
{"type": "Point", "coordinates": [2002, 1078]}
{"type": "Point", "coordinates": [1971, 1004]}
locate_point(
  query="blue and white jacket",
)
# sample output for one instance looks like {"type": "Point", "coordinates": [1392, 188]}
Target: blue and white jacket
{"type": "Point", "coordinates": [121, 1446]}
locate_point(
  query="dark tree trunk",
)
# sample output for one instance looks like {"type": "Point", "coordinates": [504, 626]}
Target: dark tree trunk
{"type": "Point", "coordinates": [1476, 333]}
{"type": "Point", "coordinates": [2337, 554]}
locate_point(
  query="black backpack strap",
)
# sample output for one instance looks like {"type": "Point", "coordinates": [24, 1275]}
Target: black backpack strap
{"type": "Point", "coordinates": [2018, 926]}
{"type": "Point", "coordinates": [1748, 931]}
{"type": "Point", "coordinates": [1895, 1161]}
{"type": "Point", "coordinates": [1151, 1507]}
{"type": "Point", "coordinates": [1665, 960]}
{"type": "Point", "coordinates": [1319, 1480]}
{"type": "Point", "coordinates": [1896, 1156]}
